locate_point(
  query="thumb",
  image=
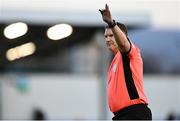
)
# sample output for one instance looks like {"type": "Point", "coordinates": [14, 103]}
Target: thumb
{"type": "Point", "coordinates": [101, 11]}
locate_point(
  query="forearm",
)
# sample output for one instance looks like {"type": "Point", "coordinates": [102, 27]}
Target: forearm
{"type": "Point", "coordinates": [121, 39]}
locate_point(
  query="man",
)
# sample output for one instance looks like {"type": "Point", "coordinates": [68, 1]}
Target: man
{"type": "Point", "coordinates": [126, 97]}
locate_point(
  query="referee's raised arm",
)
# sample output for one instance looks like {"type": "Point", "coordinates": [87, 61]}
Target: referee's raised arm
{"type": "Point", "coordinates": [120, 37]}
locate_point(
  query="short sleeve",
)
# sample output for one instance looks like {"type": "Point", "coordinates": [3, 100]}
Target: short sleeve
{"type": "Point", "coordinates": [134, 51]}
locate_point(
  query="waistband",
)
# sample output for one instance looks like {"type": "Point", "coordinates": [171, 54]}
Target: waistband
{"type": "Point", "coordinates": [132, 107]}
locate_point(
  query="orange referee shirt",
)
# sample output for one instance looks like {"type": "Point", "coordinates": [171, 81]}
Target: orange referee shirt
{"type": "Point", "coordinates": [125, 80]}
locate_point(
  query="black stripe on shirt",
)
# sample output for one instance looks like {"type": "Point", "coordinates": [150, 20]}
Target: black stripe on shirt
{"type": "Point", "coordinates": [132, 91]}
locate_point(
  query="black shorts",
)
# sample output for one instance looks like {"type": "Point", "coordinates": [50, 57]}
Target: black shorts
{"type": "Point", "coordinates": [134, 112]}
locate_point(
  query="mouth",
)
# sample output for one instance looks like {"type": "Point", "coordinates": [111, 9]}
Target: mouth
{"type": "Point", "coordinates": [109, 43]}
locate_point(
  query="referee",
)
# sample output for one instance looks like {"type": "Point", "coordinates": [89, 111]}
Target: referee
{"type": "Point", "coordinates": [126, 97]}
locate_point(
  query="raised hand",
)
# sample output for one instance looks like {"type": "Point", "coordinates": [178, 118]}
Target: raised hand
{"type": "Point", "coordinates": [106, 14]}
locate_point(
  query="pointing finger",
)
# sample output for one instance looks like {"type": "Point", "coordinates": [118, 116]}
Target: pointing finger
{"type": "Point", "coordinates": [107, 7]}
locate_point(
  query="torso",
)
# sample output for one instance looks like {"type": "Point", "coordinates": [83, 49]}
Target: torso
{"type": "Point", "coordinates": [125, 80]}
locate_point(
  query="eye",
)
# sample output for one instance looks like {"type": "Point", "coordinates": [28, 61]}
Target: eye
{"type": "Point", "coordinates": [111, 35]}
{"type": "Point", "coordinates": [105, 36]}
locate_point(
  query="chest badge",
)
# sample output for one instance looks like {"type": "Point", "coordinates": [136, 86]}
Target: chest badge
{"type": "Point", "coordinates": [114, 68]}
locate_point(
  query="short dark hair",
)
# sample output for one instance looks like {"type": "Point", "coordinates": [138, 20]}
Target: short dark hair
{"type": "Point", "coordinates": [122, 27]}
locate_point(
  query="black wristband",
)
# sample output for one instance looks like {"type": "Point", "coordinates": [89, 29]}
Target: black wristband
{"type": "Point", "coordinates": [112, 24]}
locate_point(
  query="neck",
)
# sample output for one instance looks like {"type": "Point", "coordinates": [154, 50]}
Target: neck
{"type": "Point", "coordinates": [114, 52]}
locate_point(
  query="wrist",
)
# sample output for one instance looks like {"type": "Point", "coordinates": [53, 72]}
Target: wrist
{"type": "Point", "coordinates": [112, 24]}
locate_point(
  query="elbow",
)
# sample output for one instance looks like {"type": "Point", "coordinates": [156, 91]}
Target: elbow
{"type": "Point", "coordinates": [124, 47]}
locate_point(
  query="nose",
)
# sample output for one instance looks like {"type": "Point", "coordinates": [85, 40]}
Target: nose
{"type": "Point", "coordinates": [108, 41]}
{"type": "Point", "coordinates": [108, 38]}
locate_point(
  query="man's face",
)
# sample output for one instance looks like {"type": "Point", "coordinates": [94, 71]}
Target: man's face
{"type": "Point", "coordinates": [110, 40]}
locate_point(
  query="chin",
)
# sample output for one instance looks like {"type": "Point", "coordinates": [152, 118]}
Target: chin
{"type": "Point", "coordinates": [111, 50]}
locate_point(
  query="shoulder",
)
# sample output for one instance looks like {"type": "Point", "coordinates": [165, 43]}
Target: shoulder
{"type": "Point", "coordinates": [134, 50]}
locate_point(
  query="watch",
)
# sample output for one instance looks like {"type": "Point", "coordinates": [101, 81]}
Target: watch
{"type": "Point", "coordinates": [112, 24]}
